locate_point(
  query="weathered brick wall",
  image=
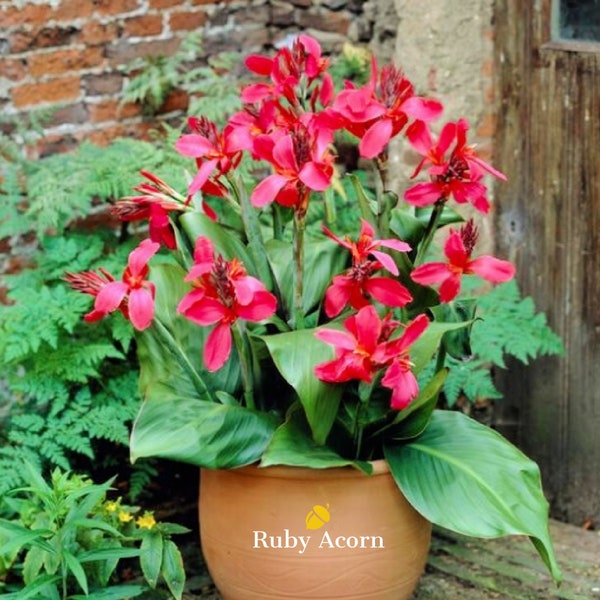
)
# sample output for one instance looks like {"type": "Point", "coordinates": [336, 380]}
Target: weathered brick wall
{"type": "Point", "coordinates": [68, 53]}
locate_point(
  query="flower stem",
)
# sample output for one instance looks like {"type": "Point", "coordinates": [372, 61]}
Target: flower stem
{"type": "Point", "coordinates": [256, 244]}
{"type": "Point", "coordinates": [243, 350]}
{"type": "Point", "coordinates": [432, 227]}
{"type": "Point", "coordinates": [298, 280]}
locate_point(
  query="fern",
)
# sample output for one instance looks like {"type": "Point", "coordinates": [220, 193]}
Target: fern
{"type": "Point", "coordinates": [507, 326]}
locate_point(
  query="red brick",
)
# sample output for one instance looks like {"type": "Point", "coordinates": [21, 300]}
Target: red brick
{"type": "Point", "coordinates": [69, 10]}
{"type": "Point", "coordinates": [64, 61]}
{"type": "Point", "coordinates": [164, 3]}
{"type": "Point", "coordinates": [103, 83]}
{"type": "Point", "coordinates": [116, 7]}
{"type": "Point", "coordinates": [112, 110]}
{"type": "Point", "coordinates": [46, 37]}
{"type": "Point", "coordinates": [96, 33]}
{"type": "Point", "coordinates": [76, 114]}
{"type": "Point", "coordinates": [144, 25]}
{"type": "Point", "coordinates": [187, 21]}
{"type": "Point", "coordinates": [103, 137]}
{"type": "Point", "coordinates": [123, 51]}
{"type": "Point", "coordinates": [32, 14]}
{"type": "Point", "coordinates": [177, 100]}
{"type": "Point", "coordinates": [203, 2]}
{"type": "Point", "coordinates": [336, 22]}
{"type": "Point", "coordinates": [59, 89]}
{"type": "Point", "coordinates": [12, 68]}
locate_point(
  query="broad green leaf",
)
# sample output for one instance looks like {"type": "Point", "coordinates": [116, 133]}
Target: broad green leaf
{"type": "Point", "coordinates": [323, 259]}
{"type": "Point", "coordinates": [296, 353]}
{"type": "Point", "coordinates": [225, 241]}
{"type": "Point", "coordinates": [151, 557]}
{"type": "Point", "coordinates": [413, 420]}
{"type": "Point", "coordinates": [406, 226]}
{"type": "Point", "coordinates": [293, 445]}
{"type": "Point", "coordinates": [457, 342]}
{"type": "Point", "coordinates": [172, 569]}
{"type": "Point", "coordinates": [170, 351]}
{"type": "Point", "coordinates": [195, 431]}
{"type": "Point", "coordinates": [427, 345]}
{"type": "Point", "coordinates": [466, 477]}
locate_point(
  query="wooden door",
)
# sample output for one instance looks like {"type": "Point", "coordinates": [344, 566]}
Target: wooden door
{"type": "Point", "coordinates": [548, 222]}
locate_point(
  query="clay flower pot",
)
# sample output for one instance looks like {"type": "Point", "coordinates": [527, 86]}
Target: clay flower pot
{"type": "Point", "coordinates": [289, 532]}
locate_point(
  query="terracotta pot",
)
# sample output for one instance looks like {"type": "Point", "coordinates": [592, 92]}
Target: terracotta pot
{"type": "Point", "coordinates": [286, 532]}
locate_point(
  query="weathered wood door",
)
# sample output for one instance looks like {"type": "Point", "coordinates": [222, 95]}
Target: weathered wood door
{"type": "Point", "coordinates": [548, 219]}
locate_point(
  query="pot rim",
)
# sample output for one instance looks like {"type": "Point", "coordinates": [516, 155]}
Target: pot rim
{"type": "Point", "coordinates": [380, 467]}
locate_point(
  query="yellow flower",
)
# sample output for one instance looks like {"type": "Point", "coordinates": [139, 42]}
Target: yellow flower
{"type": "Point", "coordinates": [147, 521]}
{"type": "Point", "coordinates": [125, 517]}
{"type": "Point", "coordinates": [111, 507]}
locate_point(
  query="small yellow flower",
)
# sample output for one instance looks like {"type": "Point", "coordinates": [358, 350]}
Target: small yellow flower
{"type": "Point", "coordinates": [111, 507]}
{"type": "Point", "coordinates": [125, 517]}
{"type": "Point", "coordinates": [147, 521]}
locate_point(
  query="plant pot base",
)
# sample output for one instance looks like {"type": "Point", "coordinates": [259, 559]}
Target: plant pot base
{"type": "Point", "coordinates": [365, 540]}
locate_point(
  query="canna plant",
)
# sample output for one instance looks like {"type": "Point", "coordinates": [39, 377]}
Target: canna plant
{"type": "Point", "coordinates": [264, 337]}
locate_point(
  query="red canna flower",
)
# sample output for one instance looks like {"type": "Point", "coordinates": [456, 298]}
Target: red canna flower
{"type": "Point", "coordinates": [458, 175]}
{"type": "Point", "coordinates": [458, 249]}
{"type": "Point", "coordinates": [381, 109]}
{"type": "Point", "coordinates": [365, 349]}
{"type": "Point", "coordinates": [399, 376]}
{"type": "Point", "coordinates": [355, 349]}
{"type": "Point", "coordinates": [133, 295]}
{"type": "Point", "coordinates": [302, 162]}
{"type": "Point", "coordinates": [223, 292]}
{"type": "Point", "coordinates": [302, 63]}
{"type": "Point", "coordinates": [158, 199]}
{"type": "Point", "coordinates": [215, 152]}
{"type": "Point", "coordinates": [358, 284]}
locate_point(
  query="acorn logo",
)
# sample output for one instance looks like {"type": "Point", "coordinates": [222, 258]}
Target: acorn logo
{"type": "Point", "coordinates": [317, 516]}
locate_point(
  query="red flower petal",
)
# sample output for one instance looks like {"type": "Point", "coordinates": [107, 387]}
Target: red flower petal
{"type": "Point", "coordinates": [388, 291]}
{"type": "Point", "coordinates": [141, 308]}
{"type": "Point", "coordinates": [492, 269]}
{"type": "Point", "coordinates": [375, 138]}
{"type": "Point", "coordinates": [217, 347]}
{"type": "Point", "coordinates": [430, 273]}
{"type": "Point", "coordinates": [264, 305]}
{"type": "Point", "coordinates": [193, 145]}
{"type": "Point", "coordinates": [267, 190]}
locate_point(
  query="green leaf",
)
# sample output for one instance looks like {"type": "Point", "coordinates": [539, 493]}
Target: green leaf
{"type": "Point", "coordinates": [293, 445]}
{"type": "Point", "coordinates": [19, 536]}
{"type": "Point", "coordinates": [457, 342]}
{"type": "Point", "coordinates": [114, 592]}
{"type": "Point", "coordinates": [226, 241]}
{"type": "Point", "coordinates": [202, 433]}
{"type": "Point", "coordinates": [466, 477]}
{"type": "Point", "coordinates": [172, 569]}
{"type": "Point", "coordinates": [170, 351]}
{"type": "Point", "coordinates": [151, 557]}
{"type": "Point", "coordinates": [296, 353]}
{"type": "Point", "coordinates": [323, 259]}
{"type": "Point", "coordinates": [108, 554]}
{"type": "Point", "coordinates": [427, 345]}
{"type": "Point", "coordinates": [43, 587]}
{"type": "Point", "coordinates": [413, 420]}
{"type": "Point", "coordinates": [75, 567]}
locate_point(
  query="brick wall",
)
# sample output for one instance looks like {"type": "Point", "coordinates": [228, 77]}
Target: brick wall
{"type": "Point", "coordinates": [67, 53]}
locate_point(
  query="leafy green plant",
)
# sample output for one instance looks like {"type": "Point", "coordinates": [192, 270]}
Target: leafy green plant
{"type": "Point", "coordinates": [65, 538]}
{"type": "Point", "coordinates": [66, 386]}
{"type": "Point", "coordinates": [507, 326]}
